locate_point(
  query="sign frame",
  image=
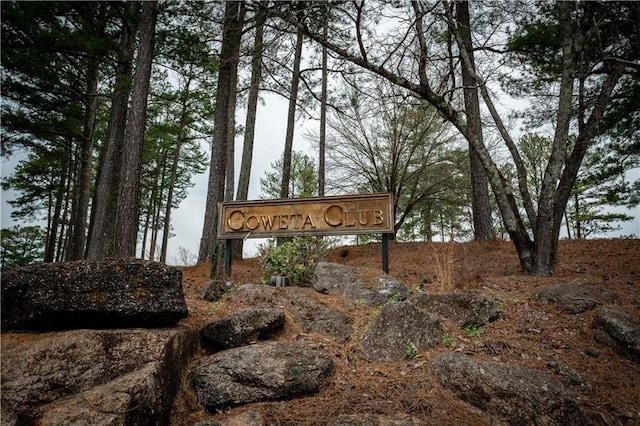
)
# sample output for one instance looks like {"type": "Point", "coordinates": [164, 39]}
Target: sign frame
{"type": "Point", "coordinates": [333, 215]}
{"type": "Point", "coordinates": [344, 215]}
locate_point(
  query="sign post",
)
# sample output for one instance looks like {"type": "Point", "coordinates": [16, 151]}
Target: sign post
{"type": "Point", "coordinates": [336, 215]}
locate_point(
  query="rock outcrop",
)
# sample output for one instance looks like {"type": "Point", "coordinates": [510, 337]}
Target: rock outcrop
{"type": "Point", "coordinates": [241, 328]}
{"type": "Point", "coordinates": [268, 371]}
{"type": "Point", "coordinates": [86, 294]}
{"type": "Point", "coordinates": [130, 376]}
{"type": "Point", "coordinates": [304, 309]}
{"type": "Point", "coordinates": [618, 329]}
{"type": "Point", "coordinates": [333, 278]}
{"type": "Point", "coordinates": [125, 377]}
{"type": "Point", "coordinates": [215, 289]}
{"type": "Point", "coordinates": [573, 298]}
{"type": "Point", "coordinates": [466, 310]}
{"type": "Point", "coordinates": [517, 395]}
{"type": "Point", "coordinates": [400, 329]}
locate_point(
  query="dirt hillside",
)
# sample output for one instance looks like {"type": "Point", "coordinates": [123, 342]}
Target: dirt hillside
{"type": "Point", "coordinates": [527, 334]}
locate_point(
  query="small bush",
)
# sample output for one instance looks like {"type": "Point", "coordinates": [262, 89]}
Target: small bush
{"type": "Point", "coordinates": [295, 259]}
{"type": "Point", "coordinates": [412, 351]}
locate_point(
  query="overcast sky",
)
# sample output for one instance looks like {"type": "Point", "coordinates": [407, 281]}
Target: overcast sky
{"type": "Point", "coordinates": [271, 127]}
{"type": "Point", "coordinates": [187, 220]}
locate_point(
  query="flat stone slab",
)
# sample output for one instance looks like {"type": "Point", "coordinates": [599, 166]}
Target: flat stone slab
{"type": "Point", "coordinates": [573, 298]}
{"type": "Point", "coordinates": [86, 294]}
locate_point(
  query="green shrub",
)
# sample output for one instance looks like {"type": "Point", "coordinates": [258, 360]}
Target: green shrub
{"type": "Point", "coordinates": [412, 351]}
{"type": "Point", "coordinates": [295, 259]}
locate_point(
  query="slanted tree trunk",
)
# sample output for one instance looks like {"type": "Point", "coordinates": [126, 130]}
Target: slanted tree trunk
{"type": "Point", "coordinates": [101, 239]}
{"type": "Point", "coordinates": [129, 190]}
{"type": "Point", "coordinates": [50, 248]}
{"type": "Point", "coordinates": [182, 135]}
{"type": "Point", "coordinates": [480, 197]}
{"type": "Point", "coordinates": [538, 255]}
{"type": "Point", "coordinates": [80, 210]}
{"type": "Point", "coordinates": [250, 124]}
{"type": "Point", "coordinates": [322, 142]}
{"type": "Point", "coordinates": [226, 93]}
{"type": "Point", "coordinates": [291, 118]}
{"type": "Point", "coordinates": [252, 107]}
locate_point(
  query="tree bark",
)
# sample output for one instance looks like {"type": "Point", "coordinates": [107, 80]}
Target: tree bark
{"type": "Point", "coordinates": [101, 239]}
{"type": "Point", "coordinates": [172, 180]}
{"type": "Point", "coordinates": [323, 114]}
{"type": "Point", "coordinates": [250, 124]}
{"type": "Point", "coordinates": [83, 194]}
{"type": "Point", "coordinates": [226, 93]}
{"type": "Point", "coordinates": [480, 197]}
{"type": "Point", "coordinates": [128, 208]}
{"type": "Point", "coordinates": [252, 107]}
{"type": "Point", "coordinates": [291, 118]}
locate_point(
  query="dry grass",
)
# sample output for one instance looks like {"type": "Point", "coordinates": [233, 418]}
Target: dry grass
{"type": "Point", "coordinates": [527, 334]}
{"type": "Point", "coordinates": [444, 266]}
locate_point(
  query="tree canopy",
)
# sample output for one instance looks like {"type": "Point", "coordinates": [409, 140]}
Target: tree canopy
{"type": "Point", "coordinates": [114, 107]}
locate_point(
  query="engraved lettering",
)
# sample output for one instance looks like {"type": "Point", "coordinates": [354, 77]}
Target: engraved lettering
{"type": "Point", "coordinates": [252, 223]}
{"type": "Point", "coordinates": [333, 215]}
{"type": "Point", "coordinates": [362, 213]}
{"type": "Point", "coordinates": [267, 222]}
{"type": "Point", "coordinates": [295, 220]}
{"type": "Point", "coordinates": [235, 223]}
{"type": "Point", "coordinates": [309, 221]}
{"type": "Point", "coordinates": [284, 222]}
{"type": "Point", "coordinates": [377, 218]}
{"type": "Point", "coordinates": [348, 220]}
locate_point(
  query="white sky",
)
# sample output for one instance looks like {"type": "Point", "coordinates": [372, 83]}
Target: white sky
{"type": "Point", "coordinates": [271, 127]}
{"type": "Point", "coordinates": [187, 220]}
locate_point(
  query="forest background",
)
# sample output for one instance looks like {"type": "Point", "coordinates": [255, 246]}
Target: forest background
{"type": "Point", "coordinates": [188, 46]}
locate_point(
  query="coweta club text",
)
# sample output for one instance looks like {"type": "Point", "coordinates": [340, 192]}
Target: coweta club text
{"type": "Point", "coordinates": [334, 216]}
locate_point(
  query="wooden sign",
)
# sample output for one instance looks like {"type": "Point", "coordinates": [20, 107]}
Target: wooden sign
{"type": "Point", "coordinates": [338, 215]}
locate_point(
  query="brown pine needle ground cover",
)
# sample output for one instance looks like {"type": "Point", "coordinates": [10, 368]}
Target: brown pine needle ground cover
{"type": "Point", "coordinates": [527, 334]}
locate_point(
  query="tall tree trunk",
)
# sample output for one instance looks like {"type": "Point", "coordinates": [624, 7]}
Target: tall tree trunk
{"type": "Point", "coordinates": [291, 118]}
{"type": "Point", "coordinates": [252, 107]}
{"type": "Point", "coordinates": [83, 187]}
{"type": "Point", "coordinates": [50, 248]}
{"type": "Point", "coordinates": [182, 136]}
{"type": "Point", "coordinates": [101, 239]}
{"type": "Point", "coordinates": [480, 197]}
{"type": "Point", "coordinates": [128, 208]}
{"type": "Point", "coordinates": [576, 201]}
{"type": "Point", "coordinates": [226, 93]}
{"type": "Point", "coordinates": [63, 238]}
{"type": "Point", "coordinates": [172, 182]}
{"type": "Point", "coordinates": [323, 114]}
{"type": "Point", "coordinates": [231, 145]}
{"type": "Point", "coordinates": [145, 233]}
{"type": "Point", "coordinates": [149, 224]}
{"type": "Point", "coordinates": [250, 124]}
{"type": "Point", "coordinates": [567, 225]}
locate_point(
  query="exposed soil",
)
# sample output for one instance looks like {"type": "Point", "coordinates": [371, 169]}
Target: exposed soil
{"type": "Point", "coordinates": [527, 334]}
